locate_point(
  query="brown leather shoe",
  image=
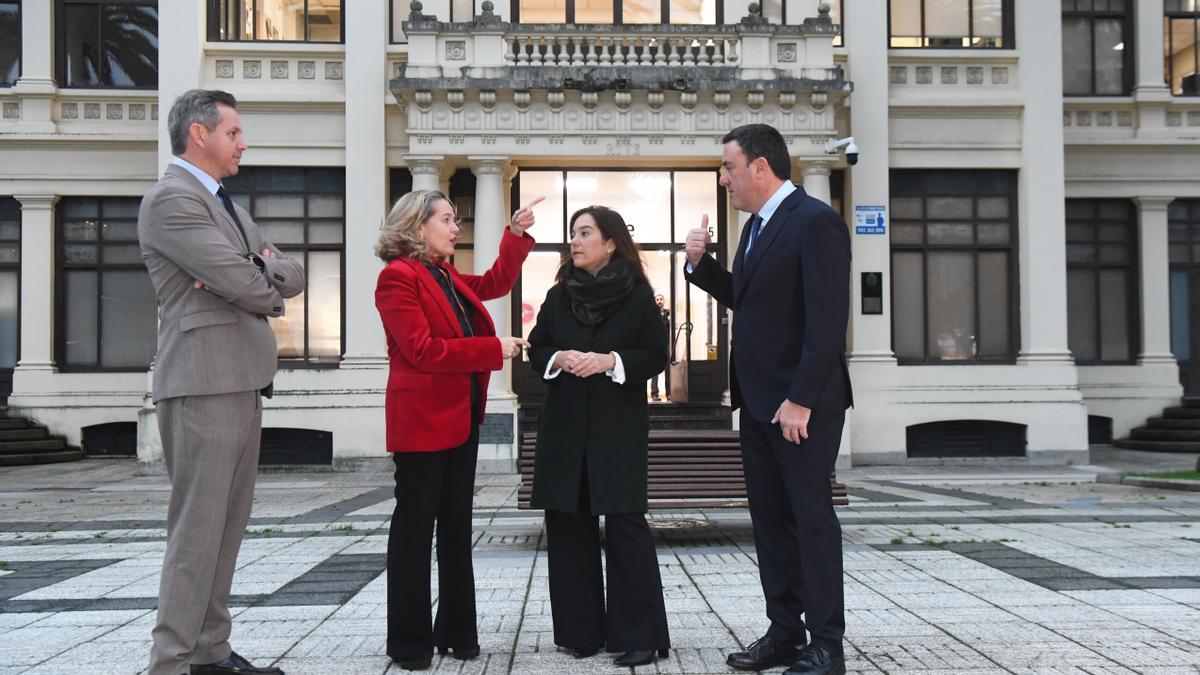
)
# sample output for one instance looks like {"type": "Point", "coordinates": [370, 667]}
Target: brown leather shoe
{"type": "Point", "coordinates": [233, 664]}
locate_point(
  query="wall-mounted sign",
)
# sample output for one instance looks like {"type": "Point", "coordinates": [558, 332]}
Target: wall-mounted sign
{"type": "Point", "coordinates": [870, 220]}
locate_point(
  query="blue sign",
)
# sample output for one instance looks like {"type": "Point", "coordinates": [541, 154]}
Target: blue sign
{"type": "Point", "coordinates": [870, 220]}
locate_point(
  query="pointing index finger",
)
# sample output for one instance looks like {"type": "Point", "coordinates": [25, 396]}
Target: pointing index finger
{"type": "Point", "coordinates": [533, 203]}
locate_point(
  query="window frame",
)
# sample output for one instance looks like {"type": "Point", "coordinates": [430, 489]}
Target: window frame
{"type": "Point", "coordinates": [1133, 285]}
{"type": "Point", "coordinates": [61, 267]}
{"type": "Point", "coordinates": [1012, 248]}
{"type": "Point", "coordinates": [1168, 56]}
{"type": "Point", "coordinates": [1007, 29]}
{"type": "Point", "coordinates": [301, 251]}
{"type": "Point", "coordinates": [619, 11]}
{"type": "Point", "coordinates": [1128, 39]}
{"type": "Point", "coordinates": [213, 21]}
{"type": "Point", "coordinates": [60, 40]}
{"type": "Point", "coordinates": [20, 43]}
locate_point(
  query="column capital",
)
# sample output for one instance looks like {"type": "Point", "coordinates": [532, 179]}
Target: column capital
{"type": "Point", "coordinates": [488, 165]}
{"type": "Point", "coordinates": [811, 167]}
{"type": "Point", "coordinates": [425, 164]}
{"type": "Point", "coordinates": [37, 202]}
{"type": "Point", "coordinates": [1153, 203]}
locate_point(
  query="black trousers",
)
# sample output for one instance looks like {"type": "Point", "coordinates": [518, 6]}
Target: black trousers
{"type": "Point", "coordinates": [432, 487]}
{"type": "Point", "coordinates": [796, 532]}
{"type": "Point", "coordinates": [636, 616]}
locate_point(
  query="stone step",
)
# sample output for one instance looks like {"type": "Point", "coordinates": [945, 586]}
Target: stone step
{"type": "Point", "coordinates": [13, 423]}
{"type": "Point", "coordinates": [1179, 412]}
{"type": "Point", "coordinates": [1191, 402]}
{"type": "Point", "coordinates": [1158, 446]}
{"type": "Point", "coordinates": [31, 433]}
{"type": "Point", "coordinates": [1144, 434]}
{"type": "Point", "coordinates": [30, 458]}
{"type": "Point", "coordinates": [25, 447]}
{"type": "Point", "coordinates": [1173, 423]}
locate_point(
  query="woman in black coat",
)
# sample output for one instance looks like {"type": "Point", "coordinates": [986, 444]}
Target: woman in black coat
{"type": "Point", "coordinates": [598, 339]}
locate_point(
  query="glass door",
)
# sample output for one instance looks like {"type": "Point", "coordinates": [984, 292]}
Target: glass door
{"type": "Point", "coordinates": [1184, 224]}
{"type": "Point", "coordinates": [660, 206]}
{"type": "Point", "coordinates": [10, 292]}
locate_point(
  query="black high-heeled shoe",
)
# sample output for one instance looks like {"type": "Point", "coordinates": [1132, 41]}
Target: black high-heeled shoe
{"type": "Point", "coordinates": [584, 652]}
{"type": "Point", "coordinates": [460, 653]}
{"type": "Point", "coordinates": [640, 657]}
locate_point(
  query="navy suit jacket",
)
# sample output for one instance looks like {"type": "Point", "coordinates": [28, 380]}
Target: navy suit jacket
{"type": "Point", "coordinates": [791, 303]}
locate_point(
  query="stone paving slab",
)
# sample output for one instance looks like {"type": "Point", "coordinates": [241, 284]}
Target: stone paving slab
{"type": "Point", "coordinates": [964, 569]}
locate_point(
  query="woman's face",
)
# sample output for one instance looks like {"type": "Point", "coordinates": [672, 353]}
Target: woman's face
{"type": "Point", "coordinates": [589, 250]}
{"type": "Point", "coordinates": [440, 231]}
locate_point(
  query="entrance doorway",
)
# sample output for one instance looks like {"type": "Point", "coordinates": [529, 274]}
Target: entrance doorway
{"type": "Point", "coordinates": [1184, 223]}
{"type": "Point", "coordinates": [660, 206]}
{"type": "Point", "coordinates": [10, 292]}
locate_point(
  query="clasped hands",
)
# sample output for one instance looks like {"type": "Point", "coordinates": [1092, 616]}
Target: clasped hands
{"type": "Point", "coordinates": [584, 364]}
{"type": "Point", "coordinates": [266, 253]}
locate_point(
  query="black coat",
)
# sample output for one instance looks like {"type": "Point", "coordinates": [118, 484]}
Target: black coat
{"type": "Point", "coordinates": [595, 418]}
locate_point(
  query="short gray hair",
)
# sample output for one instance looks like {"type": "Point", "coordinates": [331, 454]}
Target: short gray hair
{"type": "Point", "coordinates": [195, 106]}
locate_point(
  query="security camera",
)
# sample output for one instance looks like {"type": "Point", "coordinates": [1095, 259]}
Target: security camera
{"type": "Point", "coordinates": [831, 147]}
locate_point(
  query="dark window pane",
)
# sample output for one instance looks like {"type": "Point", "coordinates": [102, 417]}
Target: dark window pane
{"type": "Point", "coordinates": [991, 234]}
{"type": "Point", "coordinates": [326, 180]}
{"type": "Point", "coordinates": [1081, 209]}
{"type": "Point", "coordinates": [993, 207]}
{"type": "Point", "coordinates": [10, 299]}
{"type": "Point", "coordinates": [1081, 232]}
{"type": "Point", "coordinates": [1178, 253]}
{"type": "Point", "coordinates": [279, 206]}
{"type": "Point", "coordinates": [121, 230]}
{"type": "Point", "coordinates": [907, 207]}
{"type": "Point", "coordinates": [83, 49]}
{"type": "Point", "coordinates": [994, 320]}
{"type": "Point", "coordinates": [1115, 233]}
{"type": "Point", "coordinates": [1177, 233]}
{"type": "Point", "coordinates": [949, 182]}
{"type": "Point", "coordinates": [1178, 210]}
{"type": "Point", "coordinates": [279, 180]}
{"type": "Point", "coordinates": [1081, 314]}
{"type": "Point", "coordinates": [282, 231]}
{"type": "Point", "coordinates": [327, 206]}
{"type": "Point", "coordinates": [126, 254]}
{"type": "Point", "coordinates": [128, 317]}
{"type": "Point", "coordinates": [1181, 345]}
{"type": "Point", "coordinates": [1077, 55]}
{"type": "Point", "coordinates": [1081, 253]}
{"type": "Point", "coordinates": [81, 230]}
{"type": "Point", "coordinates": [908, 305]}
{"type": "Point", "coordinates": [908, 233]}
{"type": "Point", "coordinates": [79, 253]}
{"type": "Point", "coordinates": [130, 34]}
{"type": "Point", "coordinates": [950, 207]}
{"type": "Point", "coordinates": [10, 44]}
{"type": "Point", "coordinates": [950, 233]}
{"type": "Point", "coordinates": [950, 280]}
{"type": "Point", "coordinates": [1114, 253]}
{"type": "Point", "coordinates": [1114, 315]}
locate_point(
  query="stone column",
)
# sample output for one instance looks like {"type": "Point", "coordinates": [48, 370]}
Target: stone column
{"type": "Point", "coordinates": [36, 86]}
{"type": "Point", "coordinates": [816, 180]}
{"type": "Point", "coordinates": [490, 221]}
{"type": "Point", "coordinates": [426, 172]}
{"type": "Point", "coordinates": [870, 338]}
{"type": "Point", "coordinates": [37, 285]}
{"type": "Point", "coordinates": [366, 184]}
{"type": "Point", "coordinates": [1154, 282]}
{"type": "Point", "coordinates": [181, 27]}
{"type": "Point", "coordinates": [1150, 92]}
{"type": "Point", "coordinates": [1041, 191]}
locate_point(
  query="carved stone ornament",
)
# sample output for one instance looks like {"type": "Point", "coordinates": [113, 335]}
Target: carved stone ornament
{"type": "Point", "coordinates": [898, 75]}
{"type": "Point", "coordinates": [1104, 118]}
{"type": "Point", "coordinates": [590, 100]}
{"type": "Point", "coordinates": [333, 70]}
{"type": "Point", "coordinates": [423, 99]}
{"type": "Point", "coordinates": [555, 98]}
{"type": "Point", "coordinates": [521, 99]}
{"type": "Point", "coordinates": [623, 100]}
{"type": "Point", "coordinates": [487, 99]}
{"type": "Point", "coordinates": [1124, 118]}
{"type": "Point", "coordinates": [999, 75]}
{"type": "Point", "coordinates": [251, 70]}
{"type": "Point", "coordinates": [70, 111]}
{"type": "Point", "coordinates": [456, 50]}
{"type": "Point", "coordinates": [115, 111]}
{"type": "Point", "coordinates": [949, 74]}
{"type": "Point", "coordinates": [224, 68]}
{"type": "Point", "coordinates": [721, 100]}
{"type": "Point", "coordinates": [924, 74]}
{"type": "Point", "coordinates": [818, 100]}
{"type": "Point", "coordinates": [787, 101]}
{"type": "Point", "coordinates": [786, 52]}
{"type": "Point", "coordinates": [279, 70]}
{"type": "Point", "coordinates": [974, 75]}
{"type": "Point", "coordinates": [655, 100]}
{"type": "Point", "coordinates": [12, 110]}
{"type": "Point", "coordinates": [306, 70]}
{"type": "Point", "coordinates": [688, 100]}
{"type": "Point", "coordinates": [755, 100]}
{"type": "Point", "coordinates": [137, 111]}
{"type": "Point", "coordinates": [91, 111]}
{"type": "Point", "coordinates": [1174, 118]}
{"type": "Point", "coordinates": [1083, 118]}
{"type": "Point", "coordinates": [454, 97]}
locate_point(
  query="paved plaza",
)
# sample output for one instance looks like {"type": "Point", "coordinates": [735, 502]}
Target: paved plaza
{"type": "Point", "coordinates": [967, 569]}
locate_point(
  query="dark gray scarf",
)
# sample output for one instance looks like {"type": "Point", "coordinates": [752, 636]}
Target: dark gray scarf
{"type": "Point", "coordinates": [594, 298]}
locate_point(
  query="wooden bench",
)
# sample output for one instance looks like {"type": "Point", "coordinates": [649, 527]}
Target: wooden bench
{"type": "Point", "coordinates": [686, 468]}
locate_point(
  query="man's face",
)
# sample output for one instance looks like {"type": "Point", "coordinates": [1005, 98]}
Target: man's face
{"type": "Point", "coordinates": [660, 301]}
{"type": "Point", "coordinates": [741, 178]}
{"type": "Point", "coordinates": [224, 145]}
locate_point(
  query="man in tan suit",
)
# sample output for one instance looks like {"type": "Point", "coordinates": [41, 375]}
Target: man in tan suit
{"type": "Point", "coordinates": [216, 280]}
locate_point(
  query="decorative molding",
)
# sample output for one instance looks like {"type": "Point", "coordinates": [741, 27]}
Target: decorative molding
{"type": "Point", "coordinates": [755, 100]}
{"type": "Point", "coordinates": [1193, 118]}
{"type": "Point", "coordinates": [687, 99]}
{"type": "Point", "coordinates": [425, 166]}
{"type": "Point", "coordinates": [555, 98]}
{"type": "Point", "coordinates": [224, 69]}
{"type": "Point", "coordinates": [91, 111]}
{"type": "Point", "coordinates": [1174, 118]}
{"type": "Point", "coordinates": [114, 111]}
{"type": "Point", "coordinates": [949, 74]}
{"type": "Point", "coordinates": [521, 99]}
{"type": "Point", "coordinates": [137, 111]}
{"type": "Point", "coordinates": [924, 74]}
{"type": "Point", "coordinates": [787, 101]}
{"type": "Point", "coordinates": [70, 111]}
{"type": "Point", "coordinates": [306, 70]}
{"type": "Point", "coordinates": [974, 74]}
{"type": "Point", "coordinates": [487, 99]}
{"type": "Point", "coordinates": [1083, 118]}
{"type": "Point", "coordinates": [456, 50]}
{"type": "Point", "coordinates": [818, 99]}
{"type": "Point", "coordinates": [12, 110]}
{"type": "Point", "coordinates": [334, 70]}
{"type": "Point", "coordinates": [154, 111]}
{"type": "Point", "coordinates": [455, 98]}
{"type": "Point", "coordinates": [655, 100]}
{"type": "Point", "coordinates": [279, 70]}
{"type": "Point", "coordinates": [1104, 118]}
{"type": "Point", "coordinates": [786, 52]}
{"type": "Point", "coordinates": [251, 70]}
{"type": "Point", "coordinates": [999, 75]}
{"type": "Point", "coordinates": [489, 167]}
{"type": "Point", "coordinates": [1124, 118]}
{"type": "Point", "coordinates": [898, 75]}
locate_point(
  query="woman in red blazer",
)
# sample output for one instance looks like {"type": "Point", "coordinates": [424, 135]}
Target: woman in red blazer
{"type": "Point", "coordinates": [441, 347]}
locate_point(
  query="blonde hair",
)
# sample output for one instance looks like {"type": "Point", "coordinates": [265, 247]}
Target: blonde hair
{"type": "Point", "coordinates": [400, 236]}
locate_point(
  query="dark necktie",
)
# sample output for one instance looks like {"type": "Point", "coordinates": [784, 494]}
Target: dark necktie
{"type": "Point", "coordinates": [224, 196]}
{"type": "Point", "coordinates": [754, 225]}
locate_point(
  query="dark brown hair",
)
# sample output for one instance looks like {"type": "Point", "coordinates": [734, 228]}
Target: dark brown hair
{"type": "Point", "coordinates": [612, 228]}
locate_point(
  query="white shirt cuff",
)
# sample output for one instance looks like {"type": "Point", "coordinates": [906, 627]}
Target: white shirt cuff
{"type": "Point", "coordinates": [688, 266]}
{"type": "Point", "coordinates": [551, 374]}
{"type": "Point", "coordinates": [618, 372]}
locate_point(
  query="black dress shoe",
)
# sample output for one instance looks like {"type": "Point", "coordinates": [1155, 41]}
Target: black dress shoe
{"type": "Point", "coordinates": [765, 652]}
{"type": "Point", "coordinates": [640, 657]}
{"type": "Point", "coordinates": [584, 652]}
{"type": "Point", "coordinates": [460, 653]}
{"type": "Point", "coordinates": [414, 663]}
{"type": "Point", "coordinates": [817, 661]}
{"type": "Point", "coordinates": [232, 664]}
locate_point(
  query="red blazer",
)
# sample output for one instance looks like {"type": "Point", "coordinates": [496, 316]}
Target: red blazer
{"type": "Point", "coordinates": [428, 391]}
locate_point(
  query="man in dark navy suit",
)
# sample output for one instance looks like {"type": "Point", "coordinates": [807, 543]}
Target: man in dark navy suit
{"type": "Point", "coordinates": [789, 291]}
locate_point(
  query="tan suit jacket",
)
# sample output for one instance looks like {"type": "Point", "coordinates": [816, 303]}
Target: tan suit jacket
{"type": "Point", "coordinates": [214, 340]}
